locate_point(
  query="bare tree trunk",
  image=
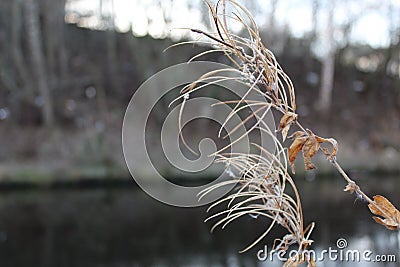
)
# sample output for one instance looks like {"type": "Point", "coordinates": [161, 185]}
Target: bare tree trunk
{"type": "Point", "coordinates": [112, 58]}
{"type": "Point", "coordinates": [36, 51]}
{"type": "Point", "coordinates": [63, 58]}
{"type": "Point", "coordinates": [53, 36]}
{"type": "Point", "coordinates": [111, 42]}
{"type": "Point", "coordinates": [328, 66]}
{"type": "Point", "coordinates": [309, 60]}
{"type": "Point", "coordinates": [50, 36]}
{"type": "Point", "coordinates": [16, 49]}
{"type": "Point", "coordinates": [315, 11]}
{"type": "Point", "coordinates": [272, 16]}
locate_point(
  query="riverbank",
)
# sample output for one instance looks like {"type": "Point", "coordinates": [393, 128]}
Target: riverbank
{"type": "Point", "coordinates": [37, 156]}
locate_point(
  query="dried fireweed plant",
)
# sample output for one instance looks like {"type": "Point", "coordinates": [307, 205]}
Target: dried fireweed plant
{"type": "Point", "coordinates": [261, 179]}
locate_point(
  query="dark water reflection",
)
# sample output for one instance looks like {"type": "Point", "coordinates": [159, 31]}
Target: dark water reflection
{"type": "Point", "coordinates": [124, 227]}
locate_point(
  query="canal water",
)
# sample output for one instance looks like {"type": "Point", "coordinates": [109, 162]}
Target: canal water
{"type": "Point", "coordinates": [121, 226]}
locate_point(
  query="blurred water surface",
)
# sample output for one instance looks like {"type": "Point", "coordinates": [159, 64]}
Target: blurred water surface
{"type": "Point", "coordinates": [122, 226]}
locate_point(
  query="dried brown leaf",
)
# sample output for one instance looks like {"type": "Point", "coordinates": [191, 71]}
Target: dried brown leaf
{"type": "Point", "coordinates": [385, 205]}
{"type": "Point", "coordinates": [294, 261]}
{"type": "Point", "coordinates": [286, 120]}
{"type": "Point", "coordinates": [297, 134]}
{"type": "Point", "coordinates": [295, 148]}
{"type": "Point", "coordinates": [389, 224]}
{"type": "Point", "coordinates": [310, 148]}
{"type": "Point", "coordinates": [330, 155]}
{"type": "Point", "coordinates": [306, 244]}
{"type": "Point", "coordinates": [311, 263]}
{"type": "Point", "coordinates": [298, 260]}
{"type": "Point", "coordinates": [384, 208]}
{"type": "Point", "coordinates": [351, 187]}
{"type": "Point", "coordinates": [309, 143]}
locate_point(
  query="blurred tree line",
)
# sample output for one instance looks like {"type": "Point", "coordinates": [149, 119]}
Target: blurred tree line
{"type": "Point", "coordinates": [49, 69]}
{"type": "Point", "coordinates": [77, 80]}
{"type": "Point", "coordinates": [33, 56]}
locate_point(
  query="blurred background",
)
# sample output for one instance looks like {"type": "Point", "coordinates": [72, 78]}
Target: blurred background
{"type": "Point", "coordinates": [68, 69]}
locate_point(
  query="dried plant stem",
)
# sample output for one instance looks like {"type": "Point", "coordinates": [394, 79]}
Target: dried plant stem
{"type": "Point", "coordinates": [261, 179]}
{"type": "Point", "coordinates": [357, 188]}
{"type": "Point", "coordinates": [354, 186]}
{"type": "Point", "coordinates": [347, 178]}
{"type": "Point", "coordinates": [301, 126]}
